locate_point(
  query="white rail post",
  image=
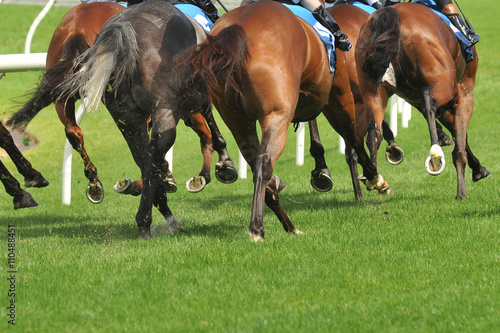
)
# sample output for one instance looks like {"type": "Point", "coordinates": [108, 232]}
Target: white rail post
{"type": "Point", "coordinates": [34, 25]}
{"type": "Point", "coordinates": [299, 148]}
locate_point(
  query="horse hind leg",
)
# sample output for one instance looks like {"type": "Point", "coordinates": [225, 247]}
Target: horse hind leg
{"type": "Point", "coordinates": [32, 177]}
{"type": "Point", "coordinates": [435, 162]}
{"type": "Point", "coordinates": [21, 198]}
{"type": "Point", "coordinates": [225, 169]}
{"type": "Point", "coordinates": [321, 178]}
{"type": "Point", "coordinates": [393, 152]}
{"type": "Point", "coordinates": [74, 134]}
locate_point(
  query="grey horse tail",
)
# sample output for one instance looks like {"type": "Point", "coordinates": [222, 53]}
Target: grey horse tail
{"type": "Point", "coordinates": [112, 60]}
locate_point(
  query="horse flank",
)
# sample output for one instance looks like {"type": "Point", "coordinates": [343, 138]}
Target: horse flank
{"type": "Point", "coordinates": [381, 49]}
{"type": "Point", "coordinates": [101, 64]}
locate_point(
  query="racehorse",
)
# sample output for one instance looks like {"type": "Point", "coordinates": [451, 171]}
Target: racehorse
{"type": "Point", "coordinates": [262, 63]}
{"type": "Point", "coordinates": [341, 110]}
{"type": "Point", "coordinates": [429, 71]}
{"type": "Point", "coordinates": [75, 33]}
{"type": "Point", "coordinates": [32, 177]}
{"type": "Point", "coordinates": [130, 68]}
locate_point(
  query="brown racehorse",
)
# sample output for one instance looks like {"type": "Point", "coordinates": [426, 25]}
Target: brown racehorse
{"type": "Point", "coordinates": [429, 71]}
{"type": "Point", "coordinates": [345, 101]}
{"type": "Point", "coordinates": [32, 178]}
{"type": "Point", "coordinates": [75, 33]}
{"type": "Point", "coordinates": [262, 64]}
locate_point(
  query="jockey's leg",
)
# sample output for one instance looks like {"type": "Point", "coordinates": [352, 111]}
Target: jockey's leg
{"type": "Point", "coordinates": [209, 8]}
{"type": "Point", "coordinates": [319, 12]}
{"type": "Point", "coordinates": [375, 3]}
{"type": "Point", "coordinates": [450, 10]}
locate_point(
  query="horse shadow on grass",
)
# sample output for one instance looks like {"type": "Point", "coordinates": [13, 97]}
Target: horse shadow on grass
{"type": "Point", "coordinates": [210, 223]}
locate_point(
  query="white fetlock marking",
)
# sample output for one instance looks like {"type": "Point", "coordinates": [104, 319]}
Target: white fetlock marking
{"type": "Point", "coordinates": [377, 183]}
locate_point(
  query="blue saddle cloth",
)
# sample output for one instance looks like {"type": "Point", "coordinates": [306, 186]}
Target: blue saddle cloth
{"type": "Point", "coordinates": [465, 44]}
{"type": "Point", "coordinates": [325, 34]}
{"type": "Point", "coordinates": [196, 14]}
{"type": "Point", "coordinates": [365, 7]}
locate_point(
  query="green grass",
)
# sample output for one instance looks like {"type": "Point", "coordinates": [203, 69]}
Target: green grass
{"type": "Point", "coordinates": [417, 261]}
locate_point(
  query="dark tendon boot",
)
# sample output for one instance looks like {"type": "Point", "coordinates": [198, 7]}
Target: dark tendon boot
{"type": "Point", "coordinates": [459, 23]}
{"type": "Point", "coordinates": [323, 17]}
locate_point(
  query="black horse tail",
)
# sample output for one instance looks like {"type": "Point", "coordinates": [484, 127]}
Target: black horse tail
{"type": "Point", "coordinates": [212, 68]}
{"type": "Point", "coordinates": [383, 46]}
{"type": "Point", "coordinates": [112, 59]}
{"type": "Point", "coordinates": [46, 92]}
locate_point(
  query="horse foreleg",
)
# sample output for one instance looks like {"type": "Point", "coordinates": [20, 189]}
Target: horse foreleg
{"type": "Point", "coordinates": [272, 200]}
{"type": "Point", "coordinates": [32, 177]}
{"type": "Point", "coordinates": [435, 162]}
{"type": "Point", "coordinates": [22, 199]}
{"type": "Point", "coordinates": [321, 178]}
{"type": "Point", "coordinates": [225, 170]}
{"type": "Point", "coordinates": [74, 134]}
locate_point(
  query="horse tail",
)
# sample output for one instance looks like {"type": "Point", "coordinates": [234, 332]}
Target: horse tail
{"type": "Point", "coordinates": [46, 92]}
{"type": "Point", "coordinates": [112, 59]}
{"type": "Point", "coordinates": [212, 68]}
{"type": "Point", "coordinates": [383, 46]}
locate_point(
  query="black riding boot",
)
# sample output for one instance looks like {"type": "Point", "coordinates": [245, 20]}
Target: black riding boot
{"type": "Point", "coordinates": [378, 4]}
{"type": "Point", "coordinates": [459, 23]}
{"type": "Point", "coordinates": [209, 8]}
{"type": "Point", "coordinates": [323, 17]}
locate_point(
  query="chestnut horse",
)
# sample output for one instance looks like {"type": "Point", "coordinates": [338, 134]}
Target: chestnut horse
{"type": "Point", "coordinates": [261, 63]}
{"type": "Point", "coordinates": [130, 68]}
{"type": "Point", "coordinates": [32, 178]}
{"type": "Point", "coordinates": [75, 33]}
{"type": "Point", "coordinates": [343, 106]}
{"type": "Point", "coordinates": [428, 70]}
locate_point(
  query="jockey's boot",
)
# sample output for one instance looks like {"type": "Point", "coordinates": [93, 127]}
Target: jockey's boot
{"type": "Point", "coordinates": [459, 23]}
{"type": "Point", "coordinates": [452, 13]}
{"type": "Point", "coordinates": [378, 4]}
{"type": "Point", "coordinates": [209, 8]}
{"type": "Point", "coordinates": [323, 17]}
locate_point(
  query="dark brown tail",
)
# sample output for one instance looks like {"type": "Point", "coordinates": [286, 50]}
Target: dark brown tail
{"type": "Point", "coordinates": [212, 68]}
{"type": "Point", "coordinates": [46, 93]}
{"type": "Point", "coordinates": [383, 45]}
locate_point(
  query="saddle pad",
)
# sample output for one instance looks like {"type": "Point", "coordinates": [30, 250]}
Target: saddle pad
{"type": "Point", "coordinates": [366, 8]}
{"type": "Point", "coordinates": [464, 42]}
{"type": "Point", "coordinates": [325, 34]}
{"type": "Point", "coordinates": [196, 14]}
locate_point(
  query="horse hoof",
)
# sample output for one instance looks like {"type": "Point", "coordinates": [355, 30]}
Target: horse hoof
{"type": "Point", "coordinates": [95, 193]}
{"type": "Point", "coordinates": [445, 140]}
{"type": "Point", "coordinates": [394, 154]}
{"type": "Point", "coordinates": [145, 233]}
{"type": "Point", "coordinates": [480, 174]}
{"type": "Point", "coordinates": [170, 185]}
{"type": "Point", "coordinates": [435, 162]}
{"type": "Point", "coordinates": [321, 181]}
{"type": "Point", "coordinates": [225, 173]}
{"type": "Point", "coordinates": [196, 184]}
{"type": "Point", "coordinates": [297, 232]}
{"type": "Point", "coordinates": [169, 227]}
{"type": "Point", "coordinates": [122, 186]}
{"type": "Point", "coordinates": [25, 201]}
{"type": "Point", "coordinates": [434, 165]}
{"type": "Point", "coordinates": [37, 181]}
{"type": "Point", "coordinates": [386, 190]}
{"type": "Point", "coordinates": [255, 237]}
